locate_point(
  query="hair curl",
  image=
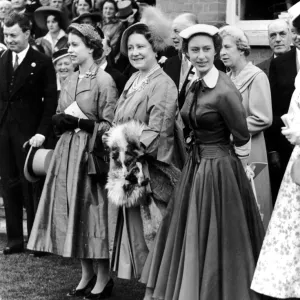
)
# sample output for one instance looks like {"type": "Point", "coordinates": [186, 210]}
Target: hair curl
{"type": "Point", "coordinates": [96, 45]}
{"type": "Point", "coordinates": [56, 18]}
{"type": "Point", "coordinates": [240, 38]}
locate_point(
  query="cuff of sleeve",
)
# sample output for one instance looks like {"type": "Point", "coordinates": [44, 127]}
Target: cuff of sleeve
{"type": "Point", "coordinates": [243, 151]}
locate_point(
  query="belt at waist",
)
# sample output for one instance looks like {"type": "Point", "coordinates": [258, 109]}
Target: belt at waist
{"type": "Point", "coordinates": [212, 151]}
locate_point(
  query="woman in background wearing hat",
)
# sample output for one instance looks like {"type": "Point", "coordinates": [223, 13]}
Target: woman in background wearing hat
{"type": "Point", "coordinates": [111, 26]}
{"type": "Point", "coordinates": [209, 241]}
{"type": "Point", "coordinates": [253, 84]}
{"type": "Point", "coordinates": [149, 97]}
{"type": "Point", "coordinates": [72, 218]}
{"type": "Point", "coordinates": [63, 66]}
{"type": "Point", "coordinates": [51, 18]}
{"type": "Point", "coordinates": [92, 18]}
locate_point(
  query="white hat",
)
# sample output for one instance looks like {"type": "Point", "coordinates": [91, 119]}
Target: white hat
{"type": "Point", "coordinates": [198, 28]}
{"type": "Point", "coordinates": [37, 163]}
{"type": "Point", "coordinates": [294, 11]}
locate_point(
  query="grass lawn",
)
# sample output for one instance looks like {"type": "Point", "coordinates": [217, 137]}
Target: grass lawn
{"type": "Point", "coordinates": [23, 277]}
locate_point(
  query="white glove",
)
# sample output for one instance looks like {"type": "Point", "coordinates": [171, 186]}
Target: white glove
{"type": "Point", "coordinates": [37, 140]}
{"type": "Point", "coordinates": [292, 134]}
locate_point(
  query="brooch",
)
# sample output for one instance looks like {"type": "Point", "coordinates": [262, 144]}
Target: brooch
{"type": "Point", "coordinates": [33, 64]}
{"type": "Point", "coordinates": [91, 75]}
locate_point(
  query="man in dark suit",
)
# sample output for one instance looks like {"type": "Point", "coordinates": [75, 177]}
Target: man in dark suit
{"type": "Point", "coordinates": [107, 65]}
{"type": "Point", "coordinates": [27, 102]}
{"type": "Point", "coordinates": [179, 67]}
{"type": "Point", "coordinates": [279, 40]}
{"type": "Point", "coordinates": [283, 71]}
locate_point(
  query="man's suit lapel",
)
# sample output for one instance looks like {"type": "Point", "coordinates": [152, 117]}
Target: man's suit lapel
{"type": "Point", "coordinates": [25, 69]}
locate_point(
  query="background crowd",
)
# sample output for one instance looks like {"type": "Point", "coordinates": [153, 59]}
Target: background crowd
{"type": "Point", "coordinates": [193, 218]}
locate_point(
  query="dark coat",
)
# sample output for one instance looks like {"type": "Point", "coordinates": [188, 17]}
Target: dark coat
{"type": "Point", "coordinates": [119, 79]}
{"type": "Point", "coordinates": [265, 65]}
{"type": "Point", "coordinates": [32, 99]}
{"type": "Point", "coordinates": [172, 67]}
{"type": "Point", "coordinates": [283, 70]}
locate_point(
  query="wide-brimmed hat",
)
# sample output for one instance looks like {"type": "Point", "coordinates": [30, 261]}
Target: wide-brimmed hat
{"type": "Point", "coordinates": [96, 17]}
{"type": "Point", "coordinates": [125, 10]}
{"type": "Point", "coordinates": [41, 14]}
{"type": "Point", "coordinates": [37, 163]}
{"type": "Point", "coordinates": [60, 54]}
{"type": "Point", "coordinates": [294, 13]}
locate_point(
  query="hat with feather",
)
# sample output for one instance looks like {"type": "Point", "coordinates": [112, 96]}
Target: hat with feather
{"type": "Point", "coordinates": [153, 22]}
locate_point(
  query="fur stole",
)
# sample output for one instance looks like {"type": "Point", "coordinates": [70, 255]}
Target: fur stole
{"type": "Point", "coordinates": [137, 179]}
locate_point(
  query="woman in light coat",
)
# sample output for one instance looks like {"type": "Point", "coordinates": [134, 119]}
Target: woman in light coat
{"type": "Point", "coordinates": [254, 86]}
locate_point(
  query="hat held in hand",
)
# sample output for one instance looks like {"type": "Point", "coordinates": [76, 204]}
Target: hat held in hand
{"type": "Point", "coordinates": [37, 162]}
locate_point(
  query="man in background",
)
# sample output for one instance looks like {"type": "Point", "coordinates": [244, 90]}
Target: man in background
{"type": "Point", "coordinates": [279, 36]}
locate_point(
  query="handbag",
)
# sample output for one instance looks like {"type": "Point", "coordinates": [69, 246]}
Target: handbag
{"type": "Point", "coordinates": [98, 157]}
{"type": "Point", "coordinates": [295, 171]}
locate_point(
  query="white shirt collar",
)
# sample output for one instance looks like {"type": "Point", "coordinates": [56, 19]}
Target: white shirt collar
{"type": "Point", "coordinates": [210, 79]}
{"type": "Point", "coordinates": [21, 55]}
{"type": "Point", "coordinates": [48, 37]}
{"type": "Point", "coordinates": [103, 66]}
{"type": "Point", "coordinates": [298, 56]}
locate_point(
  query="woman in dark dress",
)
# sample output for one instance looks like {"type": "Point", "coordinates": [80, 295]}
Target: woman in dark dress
{"type": "Point", "coordinates": [209, 241]}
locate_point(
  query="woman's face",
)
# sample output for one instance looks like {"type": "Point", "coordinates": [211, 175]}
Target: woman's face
{"type": "Point", "coordinates": [140, 52]}
{"type": "Point", "coordinates": [64, 67]}
{"type": "Point", "coordinates": [201, 51]}
{"type": "Point", "coordinates": [79, 52]}
{"type": "Point", "coordinates": [87, 20]}
{"type": "Point", "coordinates": [44, 2]}
{"type": "Point", "coordinates": [83, 7]}
{"type": "Point", "coordinates": [230, 54]}
{"type": "Point", "coordinates": [52, 24]}
{"type": "Point", "coordinates": [108, 10]}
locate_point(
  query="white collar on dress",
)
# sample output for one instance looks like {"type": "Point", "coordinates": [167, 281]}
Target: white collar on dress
{"type": "Point", "coordinates": [210, 79]}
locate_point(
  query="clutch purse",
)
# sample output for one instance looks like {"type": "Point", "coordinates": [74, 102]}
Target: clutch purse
{"type": "Point", "coordinates": [295, 171]}
{"type": "Point", "coordinates": [98, 162]}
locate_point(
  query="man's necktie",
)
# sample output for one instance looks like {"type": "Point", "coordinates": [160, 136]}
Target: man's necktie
{"type": "Point", "coordinates": [16, 64]}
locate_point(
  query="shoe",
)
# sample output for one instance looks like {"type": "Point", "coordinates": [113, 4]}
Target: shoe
{"type": "Point", "coordinates": [33, 253]}
{"type": "Point", "coordinates": [85, 291]}
{"type": "Point", "coordinates": [106, 293]}
{"type": "Point", "coordinates": [14, 249]}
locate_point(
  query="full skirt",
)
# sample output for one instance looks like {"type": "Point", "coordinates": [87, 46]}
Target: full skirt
{"type": "Point", "coordinates": [71, 219]}
{"type": "Point", "coordinates": [209, 241]}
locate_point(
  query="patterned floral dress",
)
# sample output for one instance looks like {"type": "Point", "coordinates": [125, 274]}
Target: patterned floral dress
{"type": "Point", "coordinates": [278, 269]}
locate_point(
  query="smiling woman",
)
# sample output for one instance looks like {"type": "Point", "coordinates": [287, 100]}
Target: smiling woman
{"type": "Point", "coordinates": [72, 217]}
{"type": "Point", "coordinates": [149, 97]}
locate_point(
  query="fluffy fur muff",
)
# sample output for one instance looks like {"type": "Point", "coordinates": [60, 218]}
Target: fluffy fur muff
{"type": "Point", "coordinates": [135, 178]}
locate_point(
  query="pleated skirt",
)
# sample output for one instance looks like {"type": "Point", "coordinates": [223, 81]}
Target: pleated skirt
{"type": "Point", "coordinates": [209, 241]}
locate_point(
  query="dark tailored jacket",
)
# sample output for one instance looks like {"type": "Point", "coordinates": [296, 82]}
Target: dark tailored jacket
{"type": "Point", "coordinates": [265, 65]}
{"type": "Point", "coordinates": [32, 100]}
{"type": "Point", "coordinates": [283, 70]}
{"type": "Point", "coordinates": [119, 79]}
{"type": "Point", "coordinates": [172, 68]}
